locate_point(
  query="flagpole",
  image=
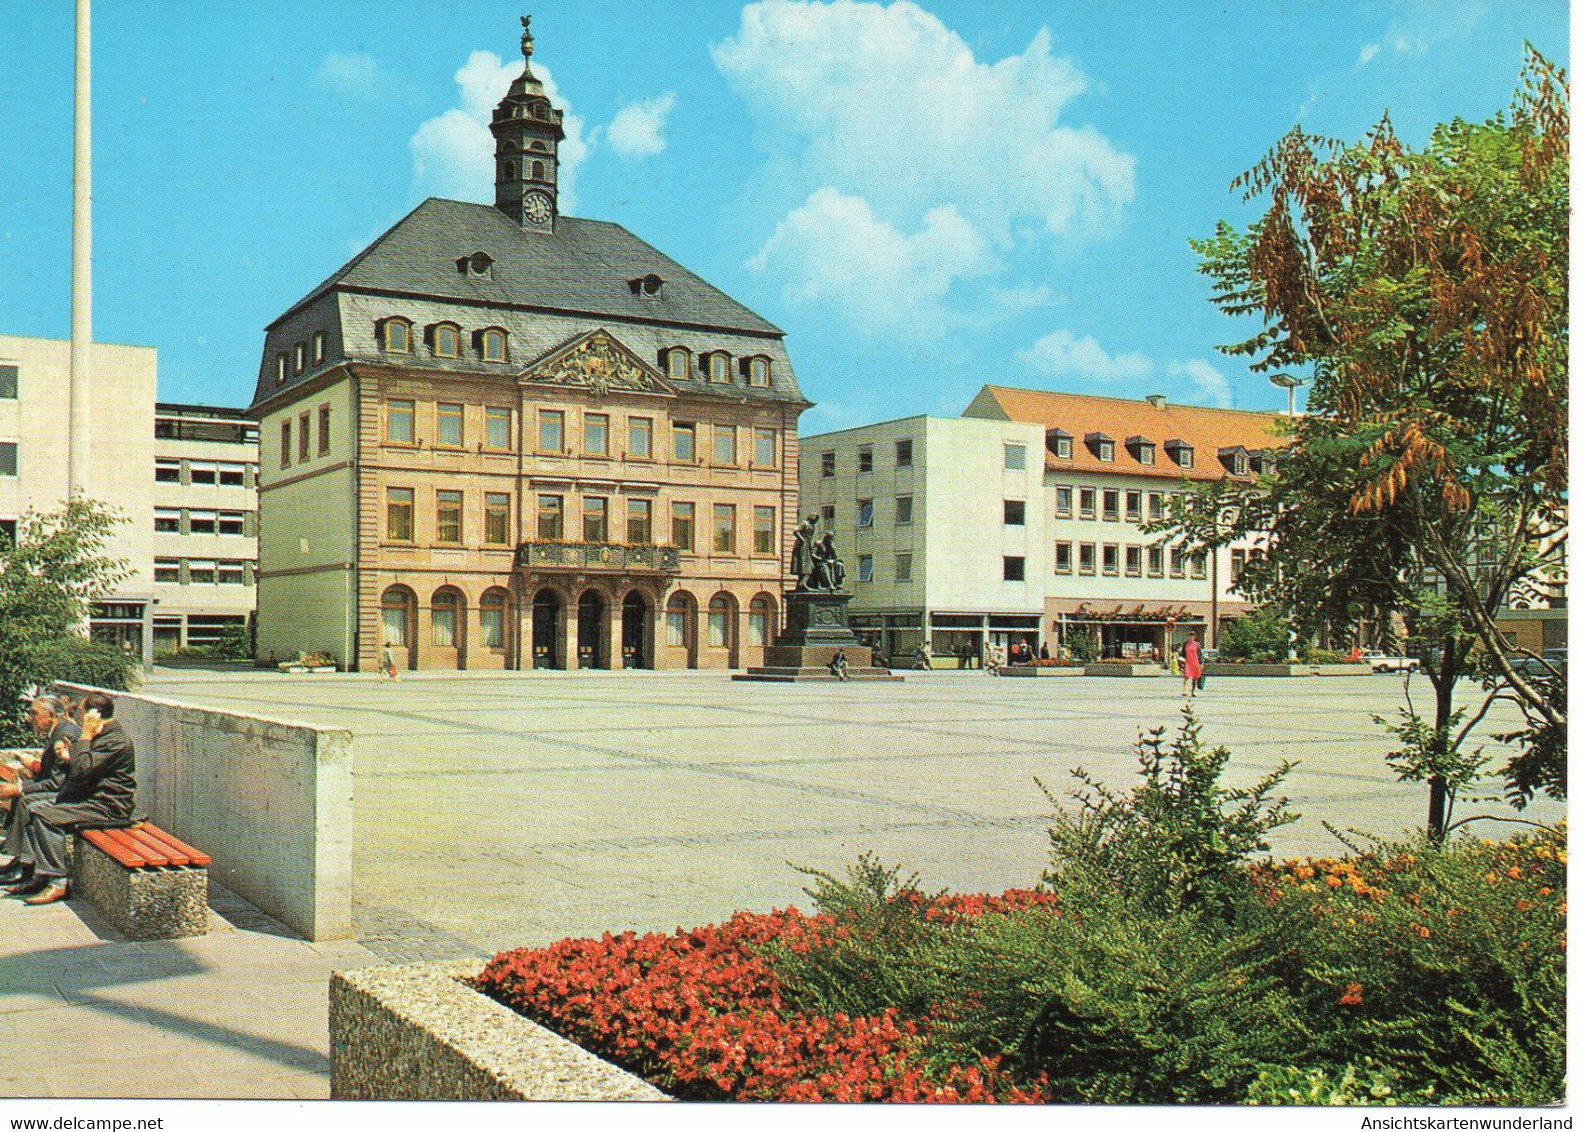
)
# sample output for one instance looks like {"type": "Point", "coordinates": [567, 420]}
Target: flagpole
{"type": "Point", "coordinates": [81, 261]}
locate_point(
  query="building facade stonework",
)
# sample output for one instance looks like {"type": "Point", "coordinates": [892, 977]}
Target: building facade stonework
{"type": "Point", "coordinates": [503, 438]}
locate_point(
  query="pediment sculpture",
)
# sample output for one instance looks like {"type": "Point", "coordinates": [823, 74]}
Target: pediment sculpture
{"type": "Point", "coordinates": [598, 363]}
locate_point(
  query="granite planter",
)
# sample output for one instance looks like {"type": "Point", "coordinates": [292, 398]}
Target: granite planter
{"type": "Point", "coordinates": [1042, 670]}
{"type": "Point", "coordinates": [1124, 668]}
{"type": "Point", "coordinates": [419, 1033]}
{"type": "Point", "coordinates": [1223, 668]}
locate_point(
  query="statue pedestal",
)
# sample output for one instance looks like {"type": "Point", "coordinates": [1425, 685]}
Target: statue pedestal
{"type": "Point", "coordinates": [816, 627]}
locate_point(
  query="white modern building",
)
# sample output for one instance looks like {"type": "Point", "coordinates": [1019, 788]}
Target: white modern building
{"type": "Point", "coordinates": [1023, 520]}
{"type": "Point", "coordinates": [35, 375]}
{"type": "Point", "coordinates": [942, 525]}
{"type": "Point", "coordinates": [205, 500]}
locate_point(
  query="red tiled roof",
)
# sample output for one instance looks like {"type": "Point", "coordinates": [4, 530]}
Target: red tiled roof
{"type": "Point", "coordinates": [1207, 431]}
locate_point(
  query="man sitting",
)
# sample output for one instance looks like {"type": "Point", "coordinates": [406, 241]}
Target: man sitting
{"type": "Point", "coordinates": [46, 772]}
{"type": "Point", "coordinates": [97, 794]}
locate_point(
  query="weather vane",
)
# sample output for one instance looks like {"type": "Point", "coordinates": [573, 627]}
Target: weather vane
{"type": "Point", "coordinates": [527, 38]}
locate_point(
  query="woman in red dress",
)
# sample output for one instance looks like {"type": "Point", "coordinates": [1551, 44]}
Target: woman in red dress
{"type": "Point", "coordinates": [1192, 666]}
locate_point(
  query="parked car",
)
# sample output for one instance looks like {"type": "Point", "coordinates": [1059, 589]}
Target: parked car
{"type": "Point", "coordinates": [1383, 662]}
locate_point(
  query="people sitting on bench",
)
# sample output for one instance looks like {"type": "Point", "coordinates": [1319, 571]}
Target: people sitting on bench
{"type": "Point", "coordinates": [46, 771]}
{"type": "Point", "coordinates": [97, 793]}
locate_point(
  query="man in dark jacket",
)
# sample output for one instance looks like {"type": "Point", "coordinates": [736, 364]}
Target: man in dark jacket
{"type": "Point", "coordinates": [47, 772]}
{"type": "Point", "coordinates": [97, 794]}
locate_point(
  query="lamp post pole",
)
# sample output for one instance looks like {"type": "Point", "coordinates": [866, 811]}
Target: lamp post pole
{"type": "Point", "coordinates": [81, 262]}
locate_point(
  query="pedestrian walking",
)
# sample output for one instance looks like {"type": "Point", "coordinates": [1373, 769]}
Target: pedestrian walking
{"type": "Point", "coordinates": [924, 658]}
{"type": "Point", "coordinates": [387, 662]}
{"type": "Point", "coordinates": [1192, 668]}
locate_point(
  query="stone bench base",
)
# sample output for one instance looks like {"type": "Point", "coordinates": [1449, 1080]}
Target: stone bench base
{"type": "Point", "coordinates": [153, 902]}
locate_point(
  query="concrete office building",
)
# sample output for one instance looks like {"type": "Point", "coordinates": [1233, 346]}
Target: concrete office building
{"type": "Point", "coordinates": [205, 500]}
{"type": "Point", "coordinates": [504, 438]}
{"type": "Point", "coordinates": [942, 525]}
{"type": "Point", "coordinates": [35, 374]}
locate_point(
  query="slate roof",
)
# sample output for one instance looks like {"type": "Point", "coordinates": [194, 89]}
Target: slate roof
{"type": "Point", "coordinates": [582, 267]}
{"type": "Point", "coordinates": [1206, 430]}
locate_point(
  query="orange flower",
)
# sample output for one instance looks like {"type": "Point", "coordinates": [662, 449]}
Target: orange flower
{"type": "Point", "coordinates": [1514, 872]}
{"type": "Point", "coordinates": [1421, 930]}
{"type": "Point", "coordinates": [1544, 892]}
{"type": "Point", "coordinates": [1524, 905]}
{"type": "Point", "coordinates": [1333, 881]}
{"type": "Point", "coordinates": [1353, 995]}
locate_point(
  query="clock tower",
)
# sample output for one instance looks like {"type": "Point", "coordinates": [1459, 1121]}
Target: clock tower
{"type": "Point", "coordinates": [527, 133]}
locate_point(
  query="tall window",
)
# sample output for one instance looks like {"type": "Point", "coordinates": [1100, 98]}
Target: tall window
{"type": "Point", "coordinates": [552, 431]}
{"type": "Point", "coordinates": [497, 518]}
{"type": "Point", "coordinates": [676, 622]}
{"type": "Point", "coordinates": [596, 434]}
{"type": "Point", "coordinates": [494, 345]}
{"type": "Point", "coordinates": [678, 364]}
{"type": "Point", "coordinates": [1016, 457]}
{"type": "Point", "coordinates": [497, 428]}
{"type": "Point", "coordinates": [448, 421]}
{"type": "Point", "coordinates": [596, 518]}
{"type": "Point", "coordinates": [1112, 504]}
{"type": "Point", "coordinates": [719, 368]}
{"type": "Point", "coordinates": [865, 459]}
{"type": "Point", "coordinates": [903, 510]}
{"type": "Point", "coordinates": [763, 530]}
{"type": "Point", "coordinates": [1134, 506]}
{"type": "Point", "coordinates": [1063, 501]}
{"type": "Point", "coordinates": [447, 341]}
{"type": "Point", "coordinates": [1178, 562]}
{"type": "Point", "coordinates": [725, 443]}
{"type": "Point", "coordinates": [1015, 512]}
{"type": "Point", "coordinates": [398, 422]}
{"type": "Point", "coordinates": [682, 525]}
{"type": "Point", "coordinates": [442, 619]}
{"type": "Point", "coordinates": [904, 453]}
{"type": "Point", "coordinates": [1110, 559]}
{"type": "Point", "coordinates": [398, 514]}
{"type": "Point", "coordinates": [725, 528]}
{"type": "Point", "coordinates": [285, 444]}
{"type": "Point", "coordinates": [764, 447]}
{"type": "Point", "coordinates": [324, 430]}
{"type": "Point", "coordinates": [865, 568]}
{"type": "Point", "coordinates": [1134, 561]}
{"type": "Point", "coordinates": [1239, 563]}
{"type": "Point", "coordinates": [826, 464]}
{"type": "Point", "coordinates": [551, 517]}
{"type": "Point", "coordinates": [758, 371]}
{"type": "Point", "coordinates": [1199, 564]}
{"type": "Point", "coordinates": [395, 616]}
{"type": "Point", "coordinates": [8, 383]}
{"type": "Point", "coordinates": [492, 620]}
{"type": "Point", "coordinates": [640, 521]}
{"type": "Point", "coordinates": [1156, 561]}
{"type": "Point", "coordinates": [280, 369]}
{"type": "Point", "coordinates": [640, 437]}
{"type": "Point", "coordinates": [865, 512]}
{"type": "Point", "coordinates": [1156, 505]}
{"type": "Point", "coordinates": [759, 614]}
{"type": "Point", "coordinates": [904, 567]}
{"type": "Point", "coordinates": [1063, 558]}
{"type": "Point", "coordinates": [448, 516]}
{"type": "Point", "coordinates": [1085, 502]}
{"type": "Point", "coordinates": [318, 346]}
{"type": "Point", "coordinates": [719, 622]}
{"type": "Point", "coordinates": [299, 357]}
{"type": "Point", "coordinates": [1085, 558]}
{"type": "Point", "coordinates": [1013, 568]}
{"type": "Point", "coordinates": [684, 446]}
{"type": "Point", "coordinates": [304, 441]}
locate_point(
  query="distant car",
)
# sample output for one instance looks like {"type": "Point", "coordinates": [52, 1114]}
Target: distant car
{"type": "Point", "coordinates": [1382, 662]}
{"type": "Point", "coordinates": [1534, 666]}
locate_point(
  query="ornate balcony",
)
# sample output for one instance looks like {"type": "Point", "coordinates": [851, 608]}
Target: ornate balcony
{"type": "Point", "coordinates": [613, 557]}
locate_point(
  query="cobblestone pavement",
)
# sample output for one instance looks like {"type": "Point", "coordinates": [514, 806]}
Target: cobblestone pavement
{"type": "Point", "coordinates": [509, 809]}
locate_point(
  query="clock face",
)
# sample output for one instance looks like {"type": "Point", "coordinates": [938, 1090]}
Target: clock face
{"type": "Point", "coordinates": [536, 207]}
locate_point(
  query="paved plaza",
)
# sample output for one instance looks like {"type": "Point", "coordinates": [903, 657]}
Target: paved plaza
{"type": "Point", "coordinates": [493, 811]}
{"type": "Point", "coordinates": [498, 810]}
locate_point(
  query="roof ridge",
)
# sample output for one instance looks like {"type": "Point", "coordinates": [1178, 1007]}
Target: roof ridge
{"type": "Point", "coordinates": [1139, 401]}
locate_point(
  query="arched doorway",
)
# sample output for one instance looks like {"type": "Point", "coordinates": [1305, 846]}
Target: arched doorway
{"type": "Point", "coordinates": [723, 627]}
{"type": "Point", "coordinates": [590, 636]}
{"type": "Point", "coordinates": [636, 648]}
{"type": "Point", "coordinates": [495, 627]}
{"type": "Point", "coordinates": [546, 620]}
{"type": "Point", "coordinates": [448, 628]}
{"type": "Point", "coordinates": [398, 616]}
{"type": "Point", "coordinates": [761, 625]}
{"type": "Point", "coordinates": [681, 630]}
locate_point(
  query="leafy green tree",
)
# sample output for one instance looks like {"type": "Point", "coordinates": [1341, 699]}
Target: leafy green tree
{"type": "Point", "coordinates": [49, 581]}
{"type": "Point", "coordinates": [1258, 636]}
{"type": "Point", "coordinates": [1425, 293]}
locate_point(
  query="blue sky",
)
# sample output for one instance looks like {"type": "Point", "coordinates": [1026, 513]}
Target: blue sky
{"type": "Point", "coordinates": [926, 197]}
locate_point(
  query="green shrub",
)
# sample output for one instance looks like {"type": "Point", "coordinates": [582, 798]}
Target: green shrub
{"type": "Point", "coordinates": [1314, 655]}
{"type": "Point", "coordinates": [1261, 637]}
{"type": "Point", "coordinates": [1374, 1084]}
{"type": "Point", "coordinates": [1083, 645]}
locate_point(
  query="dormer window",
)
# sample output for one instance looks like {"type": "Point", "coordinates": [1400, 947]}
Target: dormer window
{"type": "Point", "coordinates": [395, 336]}
{"type": "Point", "coordinates": [1059, 442]}
{"type": "Point", "coordinates": [1103, 447]}
{"type": "Point", "coordinates": [299, 357]}
{"type": "Point", "coordinates": [1142, 449]}
{"type": "Point", "coordinates": [718, 366]}
{"type": "Point", "coordinates": [280, 369]}
{"type": "Point", "coordinates": [492, 344]}
{"type": "Point", "coordinates": [647, 286]}
{"type": "Point", "coordinates": [1235, 459]}
{"type": "Point", "coordinates": [445, 339]}
{"type": "Point", "coordinates": [756, 370]}
{"type": "Point", "coordinates": [480, 265]}
{"type": "Point", "coordinates": [1181, 452]}
{"type": "Point", "coordinates": [677, 363]}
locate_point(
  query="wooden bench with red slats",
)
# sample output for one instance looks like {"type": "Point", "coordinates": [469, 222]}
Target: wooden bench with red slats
{"type": "Point", "coordinates": [144, 845]}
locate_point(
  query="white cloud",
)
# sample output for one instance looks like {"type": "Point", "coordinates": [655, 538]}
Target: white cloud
{"type": "Point", "coordinates": [453, 154]}
{"type": "Point", "coordinates": [638, 130]}
{"type": "Point", "coordinates": [1084, 362]}
{"type": "Point", "coordinates": [1210, 384]}
{"type": "Point", "coordinates": [887, 106]}
{"type": "Point", "coordinates": [1062, 353]}
{"type": "Point", "coordinates": [834, 250]}
{"type": "Point", "coordinates": [350, 72]}
{"type": "Point", "coordinates": [1370, 50]}
{"type": "Point", "coordinates": [1420, 24]}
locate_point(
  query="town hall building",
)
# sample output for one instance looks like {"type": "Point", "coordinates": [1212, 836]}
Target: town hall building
{"type": "Point", "coordinates": [506, 438]}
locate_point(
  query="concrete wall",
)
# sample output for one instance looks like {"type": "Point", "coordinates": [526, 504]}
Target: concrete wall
{"type": "Point", "coordinates": [269, 801]}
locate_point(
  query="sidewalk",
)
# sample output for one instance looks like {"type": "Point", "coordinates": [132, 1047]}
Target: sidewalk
{"type": "Point", "coordinates": [239, 1013]}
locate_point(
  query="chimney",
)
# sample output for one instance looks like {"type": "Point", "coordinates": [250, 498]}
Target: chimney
{"type": "Point", "coordinates": [1156, 399]}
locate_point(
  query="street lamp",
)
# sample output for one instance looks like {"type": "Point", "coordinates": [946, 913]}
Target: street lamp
{"type": "Point", "coordinates": [1291, 384]}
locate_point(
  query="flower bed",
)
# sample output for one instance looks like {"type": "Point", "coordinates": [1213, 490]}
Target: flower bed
{"type": "Point", "coordinates": [700, 1013]}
